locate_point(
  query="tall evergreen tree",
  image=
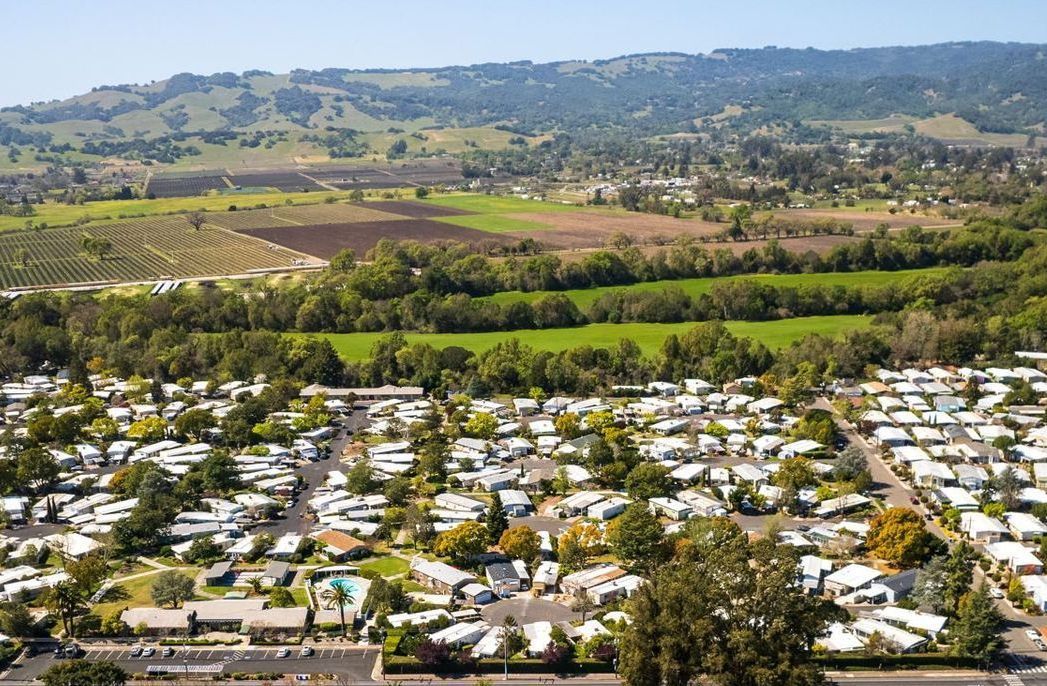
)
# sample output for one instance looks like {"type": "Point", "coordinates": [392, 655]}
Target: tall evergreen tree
{"type": "Point", "coordinates": [976, 631]}
{"type": "Point", "coordinates": [497, 519]}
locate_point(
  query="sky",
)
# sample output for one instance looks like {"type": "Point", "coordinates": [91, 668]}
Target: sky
{"type": "Point", "coordinates": [65, 47]}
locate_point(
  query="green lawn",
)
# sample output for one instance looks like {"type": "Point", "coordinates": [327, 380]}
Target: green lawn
{"type": "Point", "coordinates": [135, 593]}
{"type": "Point", "coordinates": [492, 223]}
{"type": "Point", "coordinates": [695, 287]}
{"type": "Point", "coordinates": [387, 566]}
{"type": "Point", "coordinates": [774, 334]}
{"type": "Point", "coordinates": [497, 204]}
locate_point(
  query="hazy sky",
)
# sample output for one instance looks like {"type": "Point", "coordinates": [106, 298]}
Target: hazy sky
{"type": "Point", "coordinates": [56, 48]}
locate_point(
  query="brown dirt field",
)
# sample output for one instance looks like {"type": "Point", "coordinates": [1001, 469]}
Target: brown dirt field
{"type": "Point", "coordinates": [819, 244]}
{"type": "Point", "coordinates": [867, 221]}
{"type": "Point", "coordinates": [590, 229]}
{"type": "Point", "coordinates": [324, 240]}
{"type": "Point", "coordinates": [416, 210]}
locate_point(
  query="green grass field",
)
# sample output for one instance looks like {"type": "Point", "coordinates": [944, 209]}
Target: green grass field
{"type": "Point", "coordinates": [492, 223]}
{"type": "Point", "coordinates": [695, 287]}
{"type": "Point", "coordinates": [774, 334]}
{"type": "Point", "coordinates": [498, 204]}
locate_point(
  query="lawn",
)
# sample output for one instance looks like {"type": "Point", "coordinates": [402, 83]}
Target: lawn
{"type": "Point", "coordinates": [774, 334]}
{"type": "Point", "coordinates": [387, 566]}
{"type": "Point", "coordinates": [136, 593]}
{"type": "Point", "coordinates": [694, 287]}
{"type": "Point", "coordinates": [492, 223]}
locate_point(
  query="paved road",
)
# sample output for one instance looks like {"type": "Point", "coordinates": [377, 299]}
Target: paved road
{"type": "Point", "coordinates": [354, 663]}
{"type": "Point", "coordinates": [313, 474]}
{"type": "Point", "coordinates": [1024, 655]}
{"type": "Point", "coordinates": [527, 611]}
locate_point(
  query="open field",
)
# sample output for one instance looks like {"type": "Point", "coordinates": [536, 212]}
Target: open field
{"type": "Point", "coordinates": [497, 204]}
{"type": "Point", "coordinates": [306, 224]}
{"type": "Point", "coordinates": [947, 128]}
{"type": "Point", "coordinates": [494, 223]}
{"type": "Point", "coordinates": [146, 249]}
{"type": "Point", "coordinates": [695, 287]}
{"type": "Point", "coordinates": [774, 334]}
{"type": "Point", "coordinates": [58, 214]}
{"type": "Point", "coordinates": [589, 228]}
{"type": "Point", "coordinates": [864, 222]}
{"type": "Point", "coordinates": [324, 240]}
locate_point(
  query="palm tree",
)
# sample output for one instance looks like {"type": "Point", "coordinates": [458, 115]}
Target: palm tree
{"type": "Point", "coordinates": [338, 596]}
{"type": "Point", "coordinates": [255, 582]}
{"type": "Point", "coordinates": [508, 631]}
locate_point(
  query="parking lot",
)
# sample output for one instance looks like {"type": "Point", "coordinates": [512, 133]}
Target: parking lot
{"type": "Point", "coordinates": [218, 654]}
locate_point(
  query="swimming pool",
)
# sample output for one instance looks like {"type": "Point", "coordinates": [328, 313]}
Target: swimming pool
{"type": "Point", "coordinates": [350, 586]}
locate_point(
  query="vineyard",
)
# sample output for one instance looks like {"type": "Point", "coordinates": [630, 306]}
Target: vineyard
{"type": "Point", "coordinates": [300, 215]}
{"type": "Point", "coordinates": [138, 250]}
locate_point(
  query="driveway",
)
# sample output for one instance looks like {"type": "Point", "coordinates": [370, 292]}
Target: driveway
{"type": "Point", "coordinates": [552, 525]}
{"type": "Point", "coordinates": [527, 611]}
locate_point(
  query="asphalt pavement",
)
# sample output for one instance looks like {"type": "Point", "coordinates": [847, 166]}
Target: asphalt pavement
{"type": "Point", "coordinates": [294, 520]}
{"type": "Point", "coordinates": [1024, 656]}
{"type": "Point", "coordinates": [354, 663]}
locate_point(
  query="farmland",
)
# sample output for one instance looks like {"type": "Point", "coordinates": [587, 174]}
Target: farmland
{"type": "Point", "coordinates": [179, 186]}
{"type": "Point", "coordinates": [60, 214]}
{"type": "Point", "coordinates": [774, 334]}
{"type": "Point", "coordinates": [324, 240]}
{"type": "Point", "coordinates": [319, 224]}
{"type": "Point", "coordinates": [147, 249]}
{"type": "Point", "coordinates": [696, 287]}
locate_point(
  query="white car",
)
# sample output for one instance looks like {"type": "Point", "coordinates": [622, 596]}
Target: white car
{"type": "Point", "coordinates": [996, 593]}
{"type": "Point", "coordinates": [1033, 635]}
{"type": "Point", "coordinates": [148, 651]}
{"type": "Point", "coordinates": [307, 651]}
{"type": "Point", "coordinates": [283, 652]}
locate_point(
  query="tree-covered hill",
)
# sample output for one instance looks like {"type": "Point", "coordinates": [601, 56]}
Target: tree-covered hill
{"type": "Point", "coordinates": [998, 87]}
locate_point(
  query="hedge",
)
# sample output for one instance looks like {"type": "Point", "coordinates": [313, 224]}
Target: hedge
{"type": "Point", "coordinates": [401, 664]}
{"type": "Point", "coordinates": [408, 665]}
{"type": "Point", "coordinates": [845, 662]}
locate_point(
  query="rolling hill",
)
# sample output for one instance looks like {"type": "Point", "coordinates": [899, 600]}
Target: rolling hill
{"type": "Point", "coordinates": [991, 88]}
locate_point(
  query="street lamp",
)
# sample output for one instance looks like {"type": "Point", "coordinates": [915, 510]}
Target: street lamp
{"type": "Point", "coordinates": [381, 649]}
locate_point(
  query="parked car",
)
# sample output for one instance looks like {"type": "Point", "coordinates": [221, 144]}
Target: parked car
{"type": "Point", "coordinates": [148, 651]}
{"type": "Point", "coordinates": [1033, 635]}
{"type": "Point", "coordinates": [283, 652]}
{"type": "Point", "coordinates": [306, 651]}
{"type": "Point", "coordinates": [136, 651]}
{"type": "Point", "coordinates": [168, 651]}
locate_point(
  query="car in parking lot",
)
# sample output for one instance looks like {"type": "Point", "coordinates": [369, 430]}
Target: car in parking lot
{"type": "Point", "coordinates": [1033, 635]}
{"type": "Point", "coordinates": [283, 652]}
{"type": "Point", "coordinates": [1040, 645]}
{"type": "Point", "coordinates": [167, 651]}
{"type": "Point", "coordinates": [306, 651]}
{"type": "Point", "coordinates": [136, 651]}
{"type": "Point", "coordinates": [148, 651]}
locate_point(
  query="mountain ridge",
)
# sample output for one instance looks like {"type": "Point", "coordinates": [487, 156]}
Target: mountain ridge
{"type": "Point", "coordinates": [996, 87]}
